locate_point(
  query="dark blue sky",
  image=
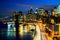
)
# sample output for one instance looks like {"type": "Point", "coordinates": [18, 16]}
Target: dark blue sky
{"type": "Point", "coordinates": [8, 6]}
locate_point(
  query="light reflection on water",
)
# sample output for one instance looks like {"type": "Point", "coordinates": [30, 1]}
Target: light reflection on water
{"type": "Point", "coordinates": [11, 34]}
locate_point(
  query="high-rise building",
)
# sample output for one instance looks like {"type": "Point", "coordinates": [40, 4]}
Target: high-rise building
{"type": "Point", "coordinates": [31, 11]}
{"type": "Point", "coordinates": [58, 13]}
{"type": "Point", "coordinates": [20, 13]}
{"type": "Point", "coordinates": [21, 16]}
{"type": "Point", "coordinates": [37, 14]}
{"type": "Point", "coordinates": [58, 9]}
{"type": "Point", "coordinates": [41, 11]}
{"type": "Point", "coordinates": [53, 13]}
{"type": "Point", "coordinates": [46, 13]}
{"type": "Point", "coordinates": [30, 15]}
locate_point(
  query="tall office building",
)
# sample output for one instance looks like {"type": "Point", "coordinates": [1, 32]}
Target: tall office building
{"type": "Point", "coordinates": [31, 11]}
{"type": "Point", "coordinates": [58, 9]}
{"type": "Point", "coordinates": [37, 11]}
{"type": "Point", "coordinates": [41, 11]}
{"type": "Point", "coordinates": [30, 15]}
{"type": "Point", "coordinates": [53, 12]}
{"type": "Point", "coordinates": [37, 14]}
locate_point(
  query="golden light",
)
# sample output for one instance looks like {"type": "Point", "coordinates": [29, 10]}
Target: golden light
{"type": "Point", "coordinates": [14, 29]}
{"type": "Point", "coordinates": [20, 30]}
{"type": "Point", "coordinates": [52, 21]}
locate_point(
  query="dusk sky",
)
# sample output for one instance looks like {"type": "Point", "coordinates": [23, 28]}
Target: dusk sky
{"type": "Point", "coordinates": [8, 6]}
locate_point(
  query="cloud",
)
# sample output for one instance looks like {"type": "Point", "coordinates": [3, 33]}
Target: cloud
{"type": "Point", "coordinates": [48, 7]}
{"type": "Point", "coordinates": [27, 5]}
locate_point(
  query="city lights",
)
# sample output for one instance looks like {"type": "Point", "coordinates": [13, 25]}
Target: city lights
{"type": "Point", "coordinates": [31, 22]}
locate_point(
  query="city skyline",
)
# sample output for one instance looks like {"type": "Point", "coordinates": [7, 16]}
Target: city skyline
{"type": "Point", "coordinates": [7, 7]}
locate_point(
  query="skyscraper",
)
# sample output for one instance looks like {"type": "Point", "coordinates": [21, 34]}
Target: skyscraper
{"type": "Point", "coordinates": [41, 11]}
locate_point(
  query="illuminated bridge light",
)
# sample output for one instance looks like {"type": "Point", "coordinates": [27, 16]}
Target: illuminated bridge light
{"type": "Point", "coordinates": [21, 30]}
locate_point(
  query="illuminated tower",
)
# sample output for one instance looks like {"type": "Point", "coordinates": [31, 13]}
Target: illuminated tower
{"type": "Point", "coordinates": [41, 11]}
{"type": "Point", "coordinates": [31, 11]}
{"type": "Point", "coordinates": [31, 15]}
{"type": "Point", "coordinates": [58, 9]}
{"type": "Point", "coordinates": [21, 16]}
{"type": "Point", "coordinates": [37, 14]}
{"type": "Point", "coordinates": [58, 13]}
{"type": "Point", "coordinates": [53, 13]}
{"type": "Point", "coordinates": [20, 13]}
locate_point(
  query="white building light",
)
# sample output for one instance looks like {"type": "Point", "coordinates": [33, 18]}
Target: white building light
{"type": "Point", "coordinates": [58, 10]}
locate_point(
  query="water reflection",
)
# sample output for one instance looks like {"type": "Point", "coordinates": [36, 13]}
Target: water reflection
{"type": "Point", "coordinates": [11, 34]}
{"type": "Point", "coordinates": [7, 35]}
{"type": "Point", "coordinates": [26, 32]}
